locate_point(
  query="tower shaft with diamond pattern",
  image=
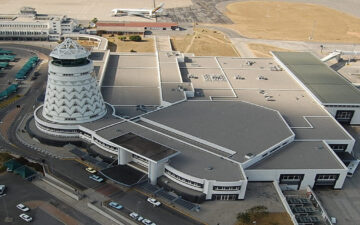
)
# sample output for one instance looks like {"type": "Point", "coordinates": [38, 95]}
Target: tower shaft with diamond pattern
{"type": "Point", "coordinates": [72, 94]}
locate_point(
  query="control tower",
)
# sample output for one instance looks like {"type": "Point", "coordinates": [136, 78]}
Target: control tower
{"type": "Point", "coordinates": [72, 94]}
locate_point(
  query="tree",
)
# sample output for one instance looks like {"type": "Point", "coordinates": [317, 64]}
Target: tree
{"type": "Point", "coordinates": [94, 20]}
{"type": "Point", "coordinates": [136, 38]}
{"type": "Point", "coordinates": [122, 38]}
{"type": "Point", "coordinates": [244, 217]}
{"type": "Point", "coordinates": [252, 214]}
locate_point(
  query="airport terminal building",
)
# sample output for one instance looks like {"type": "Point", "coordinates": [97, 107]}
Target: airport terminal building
{"type": "Point", "coordinates": [200, 126]}
{"type": "Point", "coordinates": [29, 25]}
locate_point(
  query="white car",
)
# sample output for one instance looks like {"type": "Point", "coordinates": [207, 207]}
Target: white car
{"type": "Point", "coordinates": [134, 215]}
{"type": "Point", "coordinates": [25, 217]}
{"type": "Point", "coordinates": [96, 178]}
{"type": "Point", "coordinates": [140, 218]}
{"type": "Point", "coordinates": [333, 220]}
{"type": "Point", "coordinates": [146, 222]}
{"type": "Point", "coordinates": [154, 202]}
{"type": "Point", "coordinates": [22, 207]}
{"type": "Point", "coordinates": [2, 189]}
{"type": "Point", "coordinates": [90, 170]}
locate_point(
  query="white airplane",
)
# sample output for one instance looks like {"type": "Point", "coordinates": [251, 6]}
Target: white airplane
{"type": "Point", "coordinates": [138, 12]}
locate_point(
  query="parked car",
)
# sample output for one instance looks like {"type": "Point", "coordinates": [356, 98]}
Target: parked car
{"type": "Point", "coordinates": [115, 205]}
{"type": "Point", "coordinates": [96, 178]}
{"type": "Point", "coordinates": [90, 170]}
{"type": "Point", "coordinates": [146, 222]}
{"type": "Point", "coordinates": [140, 218]}
{"type": "Point", "coordinates": [2, 189]}
{"type": "Point", "coordinates": [154, 202]}
{"type": "Point", "coordinates": [22, 207]}
{"type": "Point", "coordinates": [26, 217]}
{"type": "Point", "coordinates": [333, 220]}
{"type": "Point", "coordinates": [134, 215]}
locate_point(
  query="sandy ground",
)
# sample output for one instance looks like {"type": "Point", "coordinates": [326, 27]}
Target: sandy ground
{"type": "Point", "coordinates": [263, 50]}
{"type": "Point", "coordinates": [116, 45]}
{"type": "Point", "coordinates": [204, 42]}
{"type": "Point", "coordinates": [293, 21]}
{"type": "Point", "coordinates": [87, 9]}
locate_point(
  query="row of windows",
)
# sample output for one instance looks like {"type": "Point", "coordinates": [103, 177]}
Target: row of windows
{"type": "Point", "coordinates": [343, 106]}
{"type": "Point", "coordinates": [23, 33]}
{"type": "Point", "coordinates": [273, 150]}
{"type": "Point", "coordinates": [24, 25]}
{"type": "Point", "coordinates": [327, 176]}
{"type": "Point", "coordinates": [140, 158]}
{"type": "Point", "coordinates": [338, 147]}
{"type": "Point", "coordinates": [70, 118]}
{"type": "Point", "coordinates": [177, 177]}
{"type": "Point", "coordinates": [67, 74]}
{"type": "Point", "coordinates": [226, 188]}
{"type": "Point", "coordinates": [104, 144]}
{"type": "Point", "coordinates": [85, 133]}
{"type": "Point", "coordinates": [58, 130]}
{"type": "Point", "coordinates": [291, 177]}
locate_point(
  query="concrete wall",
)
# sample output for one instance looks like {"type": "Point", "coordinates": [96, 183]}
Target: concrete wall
{"type": "Point", "coordinates": [356, 118]}
{"type": "Point", "coordinates": [309, 175]}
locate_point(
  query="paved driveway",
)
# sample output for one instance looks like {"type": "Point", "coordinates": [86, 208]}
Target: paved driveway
{"type": "Point", "coordinates": [45, 208]}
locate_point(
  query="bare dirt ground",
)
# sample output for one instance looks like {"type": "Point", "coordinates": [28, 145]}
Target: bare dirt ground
{"type": "Point", "coordinates": [204, 42]}
{"type": "Point", "coordinates": [263, 50]}
{"type": "Point", "coordinates": [272, 218]}
{"type": "Point", "coordinates": [293, 21]}
{"type": "Point", "coordinates": [88, 43]}
{"type": "Point", "coordinates": [116, 45]}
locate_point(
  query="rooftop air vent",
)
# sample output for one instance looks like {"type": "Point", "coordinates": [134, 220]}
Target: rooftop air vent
{"type": "Point", "coordinates": [249, 156]}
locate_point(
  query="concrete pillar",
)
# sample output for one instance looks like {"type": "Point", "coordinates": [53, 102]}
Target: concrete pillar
{"type": "Point", "coordinates": [123, 157]}
{"type": "Point", "coordinates": [154, 172]}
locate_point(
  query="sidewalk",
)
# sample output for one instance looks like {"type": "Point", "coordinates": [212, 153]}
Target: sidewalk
{"type": "Point", "coordinates": [81, 205]}
{"type": "Point", "coordinates": [24, 137]}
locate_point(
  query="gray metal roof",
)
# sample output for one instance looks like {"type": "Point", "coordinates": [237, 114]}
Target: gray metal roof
{"type": "Point", "coordinates": [238, 126]}
{"type": "Point", "coordinates": [300, 155]}
{"type": "Point", "coordinates": [192, 160]}
{"type": "Point", "coordinates": [144, 147]}
{"type": "Point", "coordinates": [326, 84]}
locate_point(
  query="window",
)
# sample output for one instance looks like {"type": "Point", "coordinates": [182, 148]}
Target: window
{"type": "Point", "coordinates": [177, 177]}
{"type": "Point", "coordinates": [327, 176]}
{"type": "Point", "coordinates": [225, 197]}
{"type": "Point", "coordinates": [226, 188]}
{"type": "Point", "coordinates": [291, 179]}
{"type": "Point", "coordinates": [338, 147]}
{"type": "Point", "coordinates": [344, 116]}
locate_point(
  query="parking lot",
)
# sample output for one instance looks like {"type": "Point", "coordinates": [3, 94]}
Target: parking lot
{"type": "Point", "coordinates": [134, 201]}
{"type": "Point", "coordinates": [44, 208]}
{"type": "Point", "coordinates": [73, 173]}
{"type": "Point", "coordinates": [8, 74]}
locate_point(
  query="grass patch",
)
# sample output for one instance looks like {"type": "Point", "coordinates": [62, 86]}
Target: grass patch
{"type": "Point", "coordinates": [115, 44]}
{"type": "Point", "coordinates": [204, 42]}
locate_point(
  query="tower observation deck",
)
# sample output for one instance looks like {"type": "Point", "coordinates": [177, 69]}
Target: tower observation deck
{"type": "Point", "coordinates": [72, 95]}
